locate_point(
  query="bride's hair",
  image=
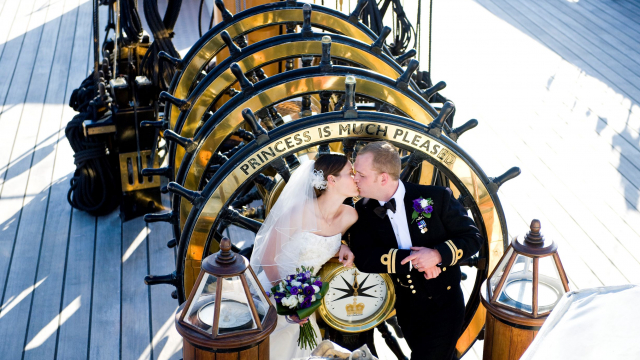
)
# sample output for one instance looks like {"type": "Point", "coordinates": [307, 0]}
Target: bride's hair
{"type": "Point", "coordinates": [329, 164]}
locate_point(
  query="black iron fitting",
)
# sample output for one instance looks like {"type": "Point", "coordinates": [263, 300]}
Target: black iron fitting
{"type": "Point", "coordinates": [496, 182]}
{"type": "Point", "coordinates": [306, 20]}
{"type": "Point", "coordinates": [226, 15]}
{"type": "Point", "coordinates": [377, 45]}
{"type": "Point", "coordinates": [234, 50]}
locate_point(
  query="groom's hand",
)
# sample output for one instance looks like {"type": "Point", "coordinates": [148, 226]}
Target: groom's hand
{"type": "Point", "coordinates": [346, 256]}
{"type": "Point", "coordinates": [432, 272]}
{"type": "Point", "coordinates": [423, 258]}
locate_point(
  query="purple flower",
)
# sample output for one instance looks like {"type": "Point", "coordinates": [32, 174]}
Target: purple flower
{"type": "Point", "coordinates": [308, 290]}
{"type": "Point", "coordinates": [304, 276]}
{"type": "Point", "coordinates": [306, 302]}
{"type": "Point", "coordinates": [278, 296]}
{"type": "Point", "coordinates": [416, 206]}
{"type": "Point", "coordinates": [295, 290]}
{"type": "Point", "coordinates": [318, 283]}
{"type": "Point", "coordinates": [428, 209]}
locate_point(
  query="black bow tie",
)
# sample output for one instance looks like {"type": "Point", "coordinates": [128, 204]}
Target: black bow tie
{"type": "Point", "coordinates": [382, 210]}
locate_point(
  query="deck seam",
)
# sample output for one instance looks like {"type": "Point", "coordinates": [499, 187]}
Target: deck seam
{"type": "Point", "coordinates": [64, 280]}
{"type": "Point", "coordinates": [93, 277]}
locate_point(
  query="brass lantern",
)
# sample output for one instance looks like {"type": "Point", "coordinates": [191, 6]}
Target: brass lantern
{"type": "Point", "coordinates": [226, 310]}
{"type": "Point", "coordinates": [520, 293]}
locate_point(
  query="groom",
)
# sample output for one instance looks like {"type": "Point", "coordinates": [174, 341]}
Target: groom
{"type": "Point", "coordinates": [421, 256]}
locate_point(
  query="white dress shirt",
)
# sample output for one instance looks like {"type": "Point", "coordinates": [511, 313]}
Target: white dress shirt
{"type": "Point", "coordinates": [399, 219]}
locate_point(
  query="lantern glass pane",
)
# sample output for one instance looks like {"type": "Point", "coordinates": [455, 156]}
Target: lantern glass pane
{"type": "Point", "coordinates": [517, 291]}
{"type": "Point", "coordinates": [259, 300]}
{"type": "Point", "coordinates": [200, 313]}
{"type": "Point", "coordinates": [497, 275]}
{"type": "Point", "coordinates": [235, 311]}
{"type": "Point", "coordinates": [550, 288]}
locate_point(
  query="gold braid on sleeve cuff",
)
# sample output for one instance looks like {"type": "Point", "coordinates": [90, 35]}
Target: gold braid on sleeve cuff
{"type": "Point", "coordinates": [456, 254]}
{"type": "Point", "coordinates": [390, 260]}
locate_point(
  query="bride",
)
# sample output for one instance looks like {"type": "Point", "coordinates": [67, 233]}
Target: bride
{"type": "Point", "coordinates": [305, 227]}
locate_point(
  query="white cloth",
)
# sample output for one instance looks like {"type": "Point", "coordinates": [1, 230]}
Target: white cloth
{"type": "Point", "coordinates": [293, 214]}
{"type": "Point", "coordinates": [398, 219]}
{"type": "Point", "coordinates": [310, 250]}
{"type": "Point", "coordinates": [596, 323]}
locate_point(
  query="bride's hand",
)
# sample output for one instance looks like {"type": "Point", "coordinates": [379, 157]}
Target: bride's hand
{"type": "Point", "coordinates": [297, 320]}
{"type": "Point", "coordinates": [346, 256]}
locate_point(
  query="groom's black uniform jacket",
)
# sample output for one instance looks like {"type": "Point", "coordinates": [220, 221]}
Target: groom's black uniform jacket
{"type": "Point", "coordinates": [450, 231]}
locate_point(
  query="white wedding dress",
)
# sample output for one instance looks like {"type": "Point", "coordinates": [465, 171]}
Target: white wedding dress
{"type": "Point", "coordinates": [312, 251]}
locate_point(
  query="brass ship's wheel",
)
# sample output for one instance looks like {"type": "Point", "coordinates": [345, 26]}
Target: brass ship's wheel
{"type": "Point", "coordinates": [255, 18]}
{"type": "Point", "coordinates": [204, 146]}
{"type": "Point", "coordinates": [268, 152]}
{"type": "Point", "coordinates": [211, 90]}
{"type": "Point", "coordinates": [207, 111]}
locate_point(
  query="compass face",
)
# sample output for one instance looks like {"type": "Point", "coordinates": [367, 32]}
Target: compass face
{"type": "Point", "coordinates": [233, 315]}
{"type": "Point", "coordinates": [354, 296]}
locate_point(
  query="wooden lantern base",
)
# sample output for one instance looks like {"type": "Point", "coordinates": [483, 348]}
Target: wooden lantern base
{"type": "Point", "coordinates": [259, 351]}
{"type": "Point", "coordinates": [506, 341]}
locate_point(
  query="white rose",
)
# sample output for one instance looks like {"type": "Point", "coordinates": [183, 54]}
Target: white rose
{"type": "Point", "coordinates": [285, 301]}
{"type": "Point", "coordinates": [293, 302]}
{"type": "Point", "coordinates": [316, 289]}
{"type": "Point", "coordinates": [424, 203]}
{"type": "Point", "coordinates": [300, 298]}
{"type": "Point", "coordinates": [296, 283]}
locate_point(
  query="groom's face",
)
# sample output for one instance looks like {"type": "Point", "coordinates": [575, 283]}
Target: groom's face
{"type": "Point", "coordinates": [369, 181]}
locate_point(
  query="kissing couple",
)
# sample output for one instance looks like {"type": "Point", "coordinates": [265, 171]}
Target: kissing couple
{"type": "Point", "coordinates": [417, 234]}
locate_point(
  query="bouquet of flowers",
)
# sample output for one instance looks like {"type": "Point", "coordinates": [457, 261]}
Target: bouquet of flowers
{"type": "Point", "coordinates": [300, 294]}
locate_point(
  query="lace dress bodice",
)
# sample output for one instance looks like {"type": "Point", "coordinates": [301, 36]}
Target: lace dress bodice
{"type": "Point", "coordinates": [311, 250]}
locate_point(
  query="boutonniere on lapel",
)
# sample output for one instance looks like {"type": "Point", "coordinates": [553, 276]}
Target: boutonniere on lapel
{"type": "Point", "coordinates": [422, 208]}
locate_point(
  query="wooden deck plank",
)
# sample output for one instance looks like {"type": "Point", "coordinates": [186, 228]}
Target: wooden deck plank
{"type": "Point", "coordinates": [611, 67]}
{"type": "Point", "coordinates": [12, 46]}
{"type": "Point", "coordinates": [44, 321]}
{"type": "Point", "coordinates": [507, 67]}
{"type": "Point", "coordinates": [48, 336]}
{"type": "Point", "coordinates": [618, 13]}
{"type": "Point", "coordinates": [15, 176]}
{"type": "Point", "coordinates": [166, 342]}
{"type": "Point", "coordinates": [579, 207]}
{"type": "Point", "coordinates": [616, 203]}
{"type": "Point", "coordinates": [629, 9]}
{"type": "Point", "coordinates": [37, 164]}
{"type": "Point", "coordinates": [595, 95]}
{"type": "Point", "coordinates": [567, 22]}
{"type": "Point", "coordinates": [105, 319]}
{"type": "Point", "coordinates": [559, 43]}
{"type": "Point", "coordinates": [520, 211]}
{"type": "Point", "coordinates": [135, 332]}
{"type": "Point", "coordinates": [14, 10]}
{"type": "Point", "coordinates": [553, 212]}
{"type": "Point", "coordinates": [581, 12]}
{"type": "Point", "coordinates": [73, 335]}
